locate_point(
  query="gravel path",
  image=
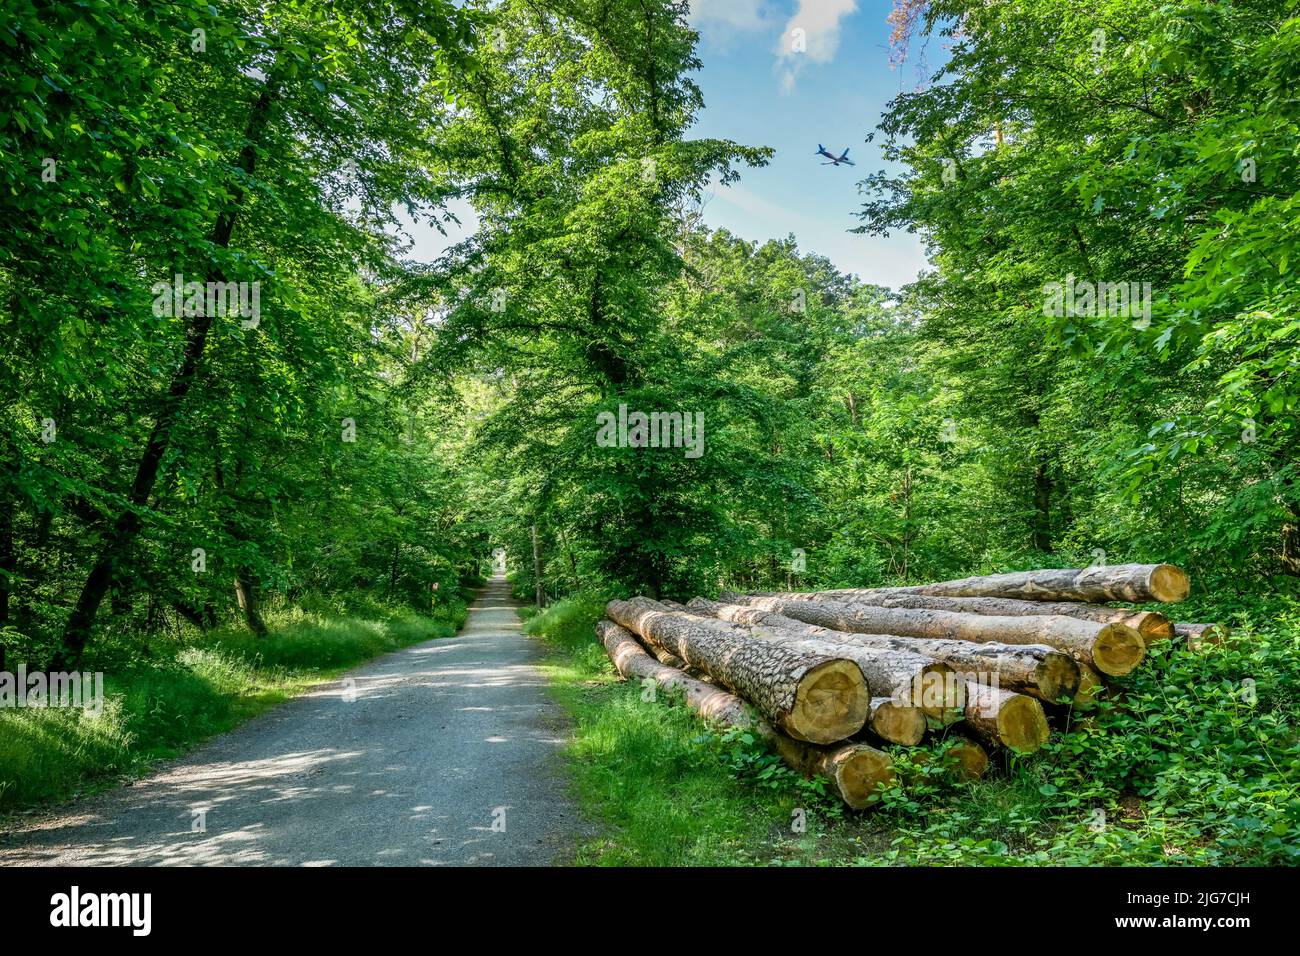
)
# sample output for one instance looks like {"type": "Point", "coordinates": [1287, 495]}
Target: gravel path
{"type": "Point", "coordinates": [447, 755]}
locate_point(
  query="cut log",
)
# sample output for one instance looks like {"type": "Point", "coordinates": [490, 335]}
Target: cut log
{"type": "Point", "coordinates": [1005, 719]}
{"type": "Point", "coordinates": [903, 674]}
{"type": "Point", "coordinates": [1114, 582]}
{"type": "Point", "coordinates": [1199, 636]}
{"type": "Point", "coordinates": [856, 771]}
{"type": "Point", "coordinates": [1034, 669]}
{"type": "Point", "coordinates": [1090, 685]}
{"type": "Point", "coordinates": [819, 698]}
{"type": "Point", "coordinates": [896, 722]}
{"type": "Point", "coordinates": [964, 759]}
{"type": "Point", "coordinates": [1152, 625]}
{"type": "Point", "coordinates": [1113, 649]}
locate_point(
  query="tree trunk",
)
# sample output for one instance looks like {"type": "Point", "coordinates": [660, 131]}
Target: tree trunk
{"type": "Point", "coordinates": [1034, 669]}
{"type": "Point", "coordinates": [1152, 625]}
{"type": "Point", "coordinates": [819, 698]}
{"type": "Point", "coordinates": [895, 722]}
{"type": "Point", "coordinates": [908, 677]}
{"type": "Point", "coordinates": [190, 614]}
{"type": "Point", "coordinates": [1005, 719]}
{"type": "Point", "coordinates": [8, 555]}
{"type": "Point", "coordinates": [1290, 556]}
{"type": "Point", "coordinates": [899, 672]}
{"type": "Point", "coordinates": [1113, 649]}
{"type": "Point", "coordinates": [856, 771]}
{"type": "Point", "coordinates": [246, 595]}
{"type": "Point", "coordinates": [1042, 522]}
{"type": "Point", "coordinates": [537, 570]}
{"type": "Point", "coordinates": [1117, 582]}
{"type": "Point", "coordinates": [76, 631]}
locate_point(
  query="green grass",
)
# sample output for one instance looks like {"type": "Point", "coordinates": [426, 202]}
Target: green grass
{"type": "Point", "coordinates": [1187, 764]}
{"type": "Point", "coordinates": [162, 707]}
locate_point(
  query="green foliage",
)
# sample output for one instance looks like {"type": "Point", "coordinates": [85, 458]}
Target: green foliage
{"type": "Point", "coordinates": [1179, 767]}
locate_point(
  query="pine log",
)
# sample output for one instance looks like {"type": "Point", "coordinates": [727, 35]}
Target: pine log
{"type": "Point", "coordinates": [1034, 669]}
{"type": "Point", "coordinates": [1005, 719]}
{"type": "Point", "coordinates": [1152, 625]}
{"type": "Point", "coordinates": [1113, 649]}
{"type": "Point", "coordinates": [819, 698]}
{"type": "Point", "coordinates": [896, 722]}
{"type": "Point", "coordinates": [856, 771]}
{"type": "Point", "coordinates": [1199, 636]}
{"type": "Point", "coordinates": [1113, 582]}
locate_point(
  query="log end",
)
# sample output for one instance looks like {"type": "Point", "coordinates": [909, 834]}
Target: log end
{"type": "Point", "coordinates": [1152, 625]}
{"type": "Point", "coordinates": [940, 692]}
{"type": "Point", "coordinates": [1056, 676]}
{"type": "Point", "coordinates": [966, 760]}
{"type": "Point", "coordinates": [1169, 584]}
{"type": "Point", "coordinates": [1090, 685]}
{"type": "Point", "coordinates": [830, 703]}
{"type": "Point", "coordinates": [1022, 725]}
{"type": "Point", "coordinates": [1118, 649]}
{"type": "Point", "coordinates": [860, 773]}
{"type": "Point", "coordinates": [898, 723]}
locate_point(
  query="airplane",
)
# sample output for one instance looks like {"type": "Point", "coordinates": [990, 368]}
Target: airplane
{"type": "Point", "coordinates": [834, 160]}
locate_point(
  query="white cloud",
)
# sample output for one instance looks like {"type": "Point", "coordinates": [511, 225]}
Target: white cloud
{"type": "Point", "coordinates": [811, 35]}
{"type": "Point", "coordinates": [719, 21]}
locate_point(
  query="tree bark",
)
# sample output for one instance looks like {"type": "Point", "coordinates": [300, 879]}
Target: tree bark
{"type": "Point", "coordinates": [1117, 582]}
{"type": "Point", "coordinates": [819, 698]}
{"type": "Point", "coordinates": [1113, 649]}
{"type": "Point", "coordinates": [76, 631]}
{"type": "Point", "coordinates": [1152, 625]}
{"type": "Point", "coordinates": [1034, 669]}
{"type": "Point", "coordinates": [246, 595]}
{"type": "Point", "coordinates": [908, 677]}
{"type": "Point", "coordinates": [856, 771]}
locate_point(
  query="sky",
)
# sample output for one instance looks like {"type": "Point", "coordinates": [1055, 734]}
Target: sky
{"type": "Point", "coordinates": [766, 84]}
{"type": "Point", "coordinates": [758, 90]}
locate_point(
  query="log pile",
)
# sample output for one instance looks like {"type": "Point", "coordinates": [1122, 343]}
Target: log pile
{"type": "Point", "coordinates": [831, 677]}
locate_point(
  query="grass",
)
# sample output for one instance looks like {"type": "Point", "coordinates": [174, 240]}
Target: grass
{"type": "Point", "coordinates": [184, 694]}
{"type": "Point", "coordinates": [1195, 760]}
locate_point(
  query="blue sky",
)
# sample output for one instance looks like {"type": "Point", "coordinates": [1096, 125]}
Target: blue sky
{"type": "Point", "coordinates": [760, 90]}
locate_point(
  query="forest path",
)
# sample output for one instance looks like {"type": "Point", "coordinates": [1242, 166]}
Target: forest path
{"type": "Point", "coordinates": [444, 743]}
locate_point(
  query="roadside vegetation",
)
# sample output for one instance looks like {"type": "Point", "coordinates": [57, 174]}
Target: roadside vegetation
{"type": "Point", "coordinates": [189, 688]}
{"type": "Point", "coordinates": [1196, 762]}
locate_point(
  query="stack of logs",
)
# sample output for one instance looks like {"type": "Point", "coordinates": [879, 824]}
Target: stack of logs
{"type": "Point", "coordinates": [828, 676]}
